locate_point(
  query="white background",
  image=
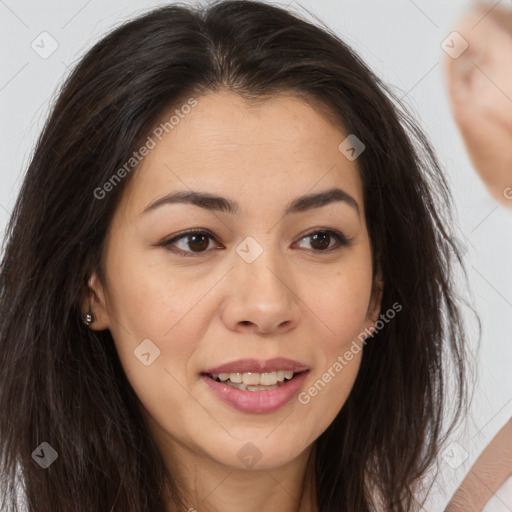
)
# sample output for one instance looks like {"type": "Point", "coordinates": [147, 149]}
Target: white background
{"type": "Point", "coordinates": [400, 40]}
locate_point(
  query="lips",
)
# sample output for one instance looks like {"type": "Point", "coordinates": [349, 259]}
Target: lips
{"type": "Point", "coordinates": [257, 402]}
{"type": "Point", "coordinates": [256, 399]}
{"type": "Point", "coordinates": [257, 366]}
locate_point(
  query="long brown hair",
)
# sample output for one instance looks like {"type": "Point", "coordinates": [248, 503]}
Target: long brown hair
{"type": "Point", "coordinates": [63, 384]}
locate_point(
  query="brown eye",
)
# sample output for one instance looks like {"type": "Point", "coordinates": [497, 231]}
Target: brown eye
{"type": "Point", "coordinates": [320, 240]}
{"type": "Point", "coordinates": [191, 243]}
{"type": "Point", "coordinates": [198, 242]}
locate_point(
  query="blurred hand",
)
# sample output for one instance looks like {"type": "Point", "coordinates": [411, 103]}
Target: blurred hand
{"type": "Point", "coordinates": [479, 84]}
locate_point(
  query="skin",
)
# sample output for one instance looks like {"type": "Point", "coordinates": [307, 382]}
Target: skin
{"type": "Point", "coordinates": [487, 475]}
{"type": "Point", "coordinates": [212, 308]}
{"type": "Point", "coordinates": [479, 85]}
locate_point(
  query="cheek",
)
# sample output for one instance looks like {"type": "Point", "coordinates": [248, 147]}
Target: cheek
{"type": "Point", "coordinates": [341, 305]}
{"type": "Point", "coordinates": [150, 312]}
{"type": "Point", "coordinates": [148, 297]}
{"type": "Point", "coordinates": [326, 392]}
{"type": "Point", "coordinates": [154, 341]}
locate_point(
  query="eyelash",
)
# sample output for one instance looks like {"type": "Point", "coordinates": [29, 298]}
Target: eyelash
{"type": "Point", "coordinates": [342, 240]}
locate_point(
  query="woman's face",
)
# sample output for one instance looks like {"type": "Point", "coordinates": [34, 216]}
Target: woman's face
{"type": "Point", "coordinates": [266, 278]}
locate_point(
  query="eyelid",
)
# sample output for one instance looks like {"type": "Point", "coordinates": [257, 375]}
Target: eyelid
{"type": "Point", "coordinates": [341, 238]}
{"type": "Point", "coordinates": [194, 231]}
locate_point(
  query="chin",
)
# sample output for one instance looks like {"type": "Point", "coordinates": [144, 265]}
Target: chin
{"type": "Point", "coordinates": [257, 453]}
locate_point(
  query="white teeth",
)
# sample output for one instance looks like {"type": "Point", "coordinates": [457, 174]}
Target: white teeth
{"type": "Point", "coordinates": [236, 378]}
{"type": "Point", "coordinates": [251, 379]}
{"type": "Point", "coordinates": [268, 379]}
{"type": "Point", "coordinates": [261, 388]}
{"type": "Point", "coordinates": [254, 379]}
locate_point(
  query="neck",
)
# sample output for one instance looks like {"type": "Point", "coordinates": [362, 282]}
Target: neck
{"type": "Point", "coordinates": [208, 486]}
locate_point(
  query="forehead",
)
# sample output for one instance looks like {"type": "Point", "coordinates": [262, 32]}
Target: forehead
{"type": "Point", "coordinates": [282, 147]}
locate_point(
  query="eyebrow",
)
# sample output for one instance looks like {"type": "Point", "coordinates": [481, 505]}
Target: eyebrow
{"type": "Point", "coordinates": [222, 204]}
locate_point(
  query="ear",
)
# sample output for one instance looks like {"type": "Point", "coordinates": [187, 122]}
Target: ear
{"type": "Point", "coordinates": [94, 301]}
{"type": "Point", "coordinates": [375, 301]}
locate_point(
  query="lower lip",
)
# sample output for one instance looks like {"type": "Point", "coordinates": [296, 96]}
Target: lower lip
{"type": "Point", "coordinates": [257, 402]}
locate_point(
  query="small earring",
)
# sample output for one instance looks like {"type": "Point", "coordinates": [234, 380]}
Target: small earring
{"type": "Point", "coordinates": [88, 318]}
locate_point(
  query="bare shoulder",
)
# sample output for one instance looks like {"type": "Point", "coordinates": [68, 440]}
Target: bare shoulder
{"type": "Point", "coordinates": [487, 475]}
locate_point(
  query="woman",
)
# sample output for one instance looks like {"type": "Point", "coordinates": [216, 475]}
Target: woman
{"type": "Point", "coordinates": [250, 230]}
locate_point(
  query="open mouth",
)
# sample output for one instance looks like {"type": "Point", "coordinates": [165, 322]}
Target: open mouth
{"type": "Point", "coordinates": [250, 381]}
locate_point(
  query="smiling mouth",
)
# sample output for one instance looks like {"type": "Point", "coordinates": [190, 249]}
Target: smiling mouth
{"type": "Point", "coordinates": [250, 381]}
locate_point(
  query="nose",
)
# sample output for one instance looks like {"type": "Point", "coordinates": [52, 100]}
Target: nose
{"type": "Point", "coordinates": [262, 296]}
